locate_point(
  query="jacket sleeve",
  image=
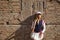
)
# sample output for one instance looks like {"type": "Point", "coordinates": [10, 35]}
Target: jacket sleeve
{"type": "Point", "coordinates": [33, 25]}
{"type": "Point", "coordinates": [44, 26]}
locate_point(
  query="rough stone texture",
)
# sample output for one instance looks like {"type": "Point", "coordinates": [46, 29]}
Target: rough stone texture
{"type": "Point", "coordinates": [16, 17]}
{"type": "Point", "coordinates": [22, 32]}
{"type": "Point", "coordinates": [6, 31]}
{"type": "Point", "coordinates": [52, 12]}
{"type": "Point", "coordinates": [15, 32]}
{"type": "Point", "coordinates": [52, 32]}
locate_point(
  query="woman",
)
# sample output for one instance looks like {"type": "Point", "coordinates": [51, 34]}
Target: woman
{"type": "Point", "coordinates": [38, 27]}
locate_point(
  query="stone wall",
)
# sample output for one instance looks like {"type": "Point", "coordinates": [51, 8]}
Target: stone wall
{"type": "Point", "coordinates": [16, 17]}
{"type": "Point", "coordinates": [52, 12]}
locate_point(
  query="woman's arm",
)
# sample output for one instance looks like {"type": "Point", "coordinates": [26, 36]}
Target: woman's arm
{"type": "Point", "coordinates": [33, 26]}
{"type": "Point", "coordinates": [44, 26]}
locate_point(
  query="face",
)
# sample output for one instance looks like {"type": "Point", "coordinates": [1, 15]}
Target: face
{"type": "Point", "coordinates": [39, 16]}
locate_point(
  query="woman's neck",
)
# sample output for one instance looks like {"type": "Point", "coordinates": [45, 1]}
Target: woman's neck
{"type": "Point", "coordinates": [38, 19]}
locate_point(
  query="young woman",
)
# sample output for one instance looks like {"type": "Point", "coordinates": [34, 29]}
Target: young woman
{"type": "Point", "coordinates": [38, 27]}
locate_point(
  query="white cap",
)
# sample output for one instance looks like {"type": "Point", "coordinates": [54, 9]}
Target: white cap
{"type": "Point", "coordinates": [38, 12]}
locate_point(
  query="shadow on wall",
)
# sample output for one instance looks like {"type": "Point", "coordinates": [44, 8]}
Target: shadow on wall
{"type": "Point", "coordinates": [23, 33]}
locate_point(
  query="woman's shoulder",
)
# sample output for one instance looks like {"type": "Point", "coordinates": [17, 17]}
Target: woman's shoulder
{"type": "Point", "coordinates": [34, 21]}
{"type": "Point", "coordinates": [43, 21]}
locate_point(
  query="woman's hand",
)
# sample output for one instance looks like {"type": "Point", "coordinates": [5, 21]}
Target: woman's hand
{"type": "Point", "coordinates": [40, 33]}
{"type": "Point", "coordinates": [32, 30]}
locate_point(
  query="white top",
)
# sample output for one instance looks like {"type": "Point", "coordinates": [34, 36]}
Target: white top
{"type": "Point", "coordinates": [33, 26]}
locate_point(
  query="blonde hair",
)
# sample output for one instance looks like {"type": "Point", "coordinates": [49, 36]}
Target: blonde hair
{"type": "Point", "coordinates": [35, 17]}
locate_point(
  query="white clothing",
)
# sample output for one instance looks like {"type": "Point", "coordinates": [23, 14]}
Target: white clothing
{"type": "Point", "coordinates": [43, 23]}
{"type": "Point", "coordinates": [37, 36]}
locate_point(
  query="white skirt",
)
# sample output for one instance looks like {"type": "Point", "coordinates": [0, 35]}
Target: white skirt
{"type": "Point", "coordinates": [35, 36]}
